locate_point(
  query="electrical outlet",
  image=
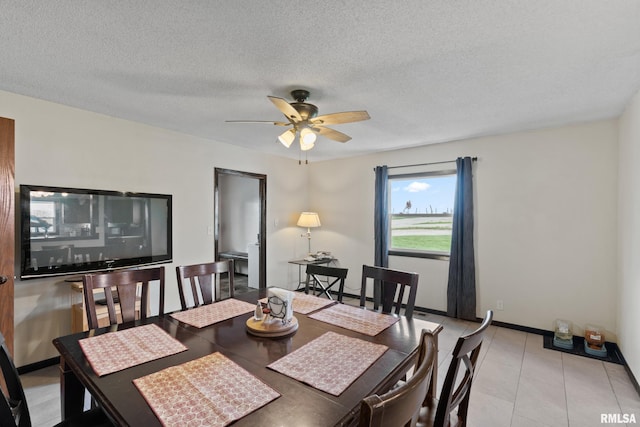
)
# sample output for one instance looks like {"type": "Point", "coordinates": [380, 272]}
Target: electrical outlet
{"type": "Point", "coordinates": [499, 305]}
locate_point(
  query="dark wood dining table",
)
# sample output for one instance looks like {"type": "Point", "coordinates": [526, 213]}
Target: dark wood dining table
{"type": "Point", "coordinates": [299, 404]}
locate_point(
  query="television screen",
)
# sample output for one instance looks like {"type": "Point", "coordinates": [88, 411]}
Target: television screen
{"type": "Point", "coordinates": [70, 230]}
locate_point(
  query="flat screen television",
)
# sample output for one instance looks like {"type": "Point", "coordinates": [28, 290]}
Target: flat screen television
{"type": "Point", "coordinates": [71, 230]}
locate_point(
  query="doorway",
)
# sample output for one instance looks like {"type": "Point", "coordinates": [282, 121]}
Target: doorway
{"type": "Point", "coordinates": [240, 222]}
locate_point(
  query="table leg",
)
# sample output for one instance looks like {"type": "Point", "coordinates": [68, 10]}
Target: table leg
{"type": "Point", "coordinates": [300, 282]}
{"type": "Point", "coordinates": [71, 392]}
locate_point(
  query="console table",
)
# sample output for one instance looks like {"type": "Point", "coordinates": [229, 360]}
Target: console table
{"type": "Point", "coordinates": [301, 262]}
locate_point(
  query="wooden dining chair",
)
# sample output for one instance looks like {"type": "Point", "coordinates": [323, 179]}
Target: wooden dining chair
{"type": "Point", "coordinates": [122, 289]}
{"type": "Point", "coordinates": [401, 406]}
{"type": "Point", "coordinates": [14, 411]}
{"type": "Point", "coordinates": [451, 409]}
{"type": "Point", "coordinates": [13, 403]}
{"type": "Point", "coordinates": [334, 276]}
{"type": "Point", "coordinates": [389, 288]}
{"type": "Point", "coordinates": [205, 282]}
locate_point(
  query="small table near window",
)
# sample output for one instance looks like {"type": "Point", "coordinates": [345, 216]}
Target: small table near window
{"type": "Point", "coordinates": [300, 262]}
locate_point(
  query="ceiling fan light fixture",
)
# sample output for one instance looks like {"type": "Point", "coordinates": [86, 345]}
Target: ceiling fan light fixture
{"type": "Point", "coordinates": [305, 122]}
{"type": "Point", "coordinates": [307, 136]}
{"type": "Point", "coordinates": [287, 137]}
{"type": "Point", "coordinates": [306, 146]}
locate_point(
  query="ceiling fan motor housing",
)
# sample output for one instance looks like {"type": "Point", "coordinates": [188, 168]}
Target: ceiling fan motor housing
{"type": "Point", "coordinates": [300, 95]}
{"type": "Point", "coordinates": [307, 111]}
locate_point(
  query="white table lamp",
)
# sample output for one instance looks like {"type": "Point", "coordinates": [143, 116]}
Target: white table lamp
{"type": "Point", "coordinates": [309, 220]}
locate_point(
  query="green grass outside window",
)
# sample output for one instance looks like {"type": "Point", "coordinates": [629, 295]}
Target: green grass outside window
{"type": "Point", "coordinates": [422, 243]}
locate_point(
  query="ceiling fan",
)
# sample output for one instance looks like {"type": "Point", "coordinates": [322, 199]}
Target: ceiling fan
{"type": "Point", "coordinates": [305, 122]}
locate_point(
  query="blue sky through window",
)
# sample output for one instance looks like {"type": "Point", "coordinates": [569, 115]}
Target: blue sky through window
{"type": "Point", "coordinates": [427, 195]}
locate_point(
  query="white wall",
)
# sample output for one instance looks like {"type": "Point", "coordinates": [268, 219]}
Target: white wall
{"type": "Point", "coordinates": [546, 206]}
{"type": "Point", "coordinates": [546, 210]}
{"type": "Point", "coordinates": [629, 235]}
{"type": "Point", "coordinates": [63, 146]}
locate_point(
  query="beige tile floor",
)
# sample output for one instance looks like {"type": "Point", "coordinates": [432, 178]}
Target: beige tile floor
{"type": "Point", "coordinates": [519, 383]}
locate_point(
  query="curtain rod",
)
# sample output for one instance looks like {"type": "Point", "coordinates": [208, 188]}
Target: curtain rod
{"type": "Point", "coordinates": [427, 164]}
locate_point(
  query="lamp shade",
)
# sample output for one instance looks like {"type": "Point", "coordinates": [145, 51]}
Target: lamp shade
{"type": "Point", "coordinates": [287, 137]}
{"type": "Point", "coordinates": [309, 220]}
{"type": "Point", "coordinates": [307, 139]}
{"type": "Point", "coordinates": [307, 136]}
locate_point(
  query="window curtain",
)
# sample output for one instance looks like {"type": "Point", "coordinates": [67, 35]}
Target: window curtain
{"type": "Point", "coordinates": [380, 224]}
{"type": "Point", "coordinates": [461, 289]}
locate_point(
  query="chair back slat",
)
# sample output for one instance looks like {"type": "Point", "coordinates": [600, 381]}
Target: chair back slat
{"type": "Point", "coordinates": [124, 285]}
{"type": "Point", "coordinates": [401, 405]}
{"type": "Point", "coordinates": [389, 289]}
{"type": "Point", "coordinates": [464, 356]}
{"type": "Point", "coordinates": [204, 282]}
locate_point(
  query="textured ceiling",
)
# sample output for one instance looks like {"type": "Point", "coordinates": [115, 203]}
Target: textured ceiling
{"type": "Point", "coordinates": [426, 71]}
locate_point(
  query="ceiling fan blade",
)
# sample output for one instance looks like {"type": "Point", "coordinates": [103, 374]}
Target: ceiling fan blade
{"type": "Point", "coordinates": [331, 134]}
{"type": "Point", "coordinates": [338, 118]}
{"type": "Point", "coordinates": [259, 121]}
{"type": "Point", "coordinates": [286, 109]}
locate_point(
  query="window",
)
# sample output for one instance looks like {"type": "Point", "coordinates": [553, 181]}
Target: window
{"type": "Point", "coordinates": [43, 218]}
{"type": "Point", "coordinates": [421, 213]}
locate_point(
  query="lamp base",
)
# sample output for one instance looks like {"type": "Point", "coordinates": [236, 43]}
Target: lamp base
{"type": "Point", "coordinates": [309, 239]}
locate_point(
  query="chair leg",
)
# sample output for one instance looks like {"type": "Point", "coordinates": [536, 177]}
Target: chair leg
{"type": "Point", "coordinates": [324, 289]}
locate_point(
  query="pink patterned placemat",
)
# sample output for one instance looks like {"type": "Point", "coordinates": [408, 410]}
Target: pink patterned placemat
{"type": "Point", "coordinates": [210, 391]}
{"type": "Point", "coordinates": [115, 351]}
{"type": "Point", "coordinates": [213, 313]}
{"type": "Point", "coordinates": [355, 319]}
{"type": "Point", "coordinates": [331, 362]}
{"type": "Point", "coordinates": [305, 304]}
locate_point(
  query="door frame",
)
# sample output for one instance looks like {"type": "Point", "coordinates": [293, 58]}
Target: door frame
{"type": "Point", "coordinates": [7, 228]}
{"type": "Point", "coordinates": [262, 194]}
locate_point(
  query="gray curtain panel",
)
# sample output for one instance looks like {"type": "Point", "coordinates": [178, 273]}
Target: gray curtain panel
{"type": "Point", "coordinates": [461, 289]}
{"type": "Point", "coordinates": [381, 226]}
